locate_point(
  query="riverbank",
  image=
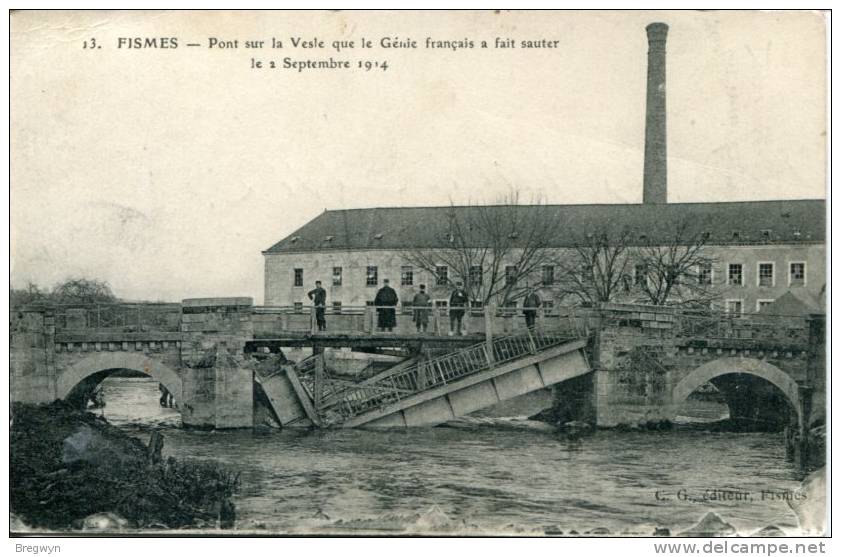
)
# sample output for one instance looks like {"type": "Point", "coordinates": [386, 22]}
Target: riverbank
{"type": "Point", "coordinates": [481, 476]}
{"type": "Point", "coordinates": [72, 470]}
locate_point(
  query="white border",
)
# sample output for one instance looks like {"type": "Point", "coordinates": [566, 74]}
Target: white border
{"type": "Point", "coordinates": [805, 273]}
{"type": "Point", "coordinates": [765, 300]}
{"type": "Point", "coordinates": [727, 306]}
{"type": "Point", "coordinates": [773, 273]}
{"type": "Point", "coordinates": [727, 273]}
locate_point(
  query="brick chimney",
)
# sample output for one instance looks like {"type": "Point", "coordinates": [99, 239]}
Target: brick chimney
{"type": "Point", "coordinates": [654, 170]}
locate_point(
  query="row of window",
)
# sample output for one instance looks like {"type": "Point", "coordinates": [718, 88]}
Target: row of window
{"type": "Point", "coordinates": [733, 306]}
{"type": "Point", "coordinates": [766, 275]}
{"type": "Point", "coordinates": [737, 307]}
{"type": "Point", "coordinates": [406, 307]}
{"type": "Point", "coordinates": [442, 275]}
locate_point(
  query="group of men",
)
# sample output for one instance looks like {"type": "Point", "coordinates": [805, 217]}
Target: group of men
{"type": "Point", "coordinates": [421, 305]}
{"type": "Point", "coordinates": [386, 301]}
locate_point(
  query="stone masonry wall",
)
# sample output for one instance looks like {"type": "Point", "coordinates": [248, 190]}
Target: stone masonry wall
{"type": "Point", "coordinates": [31, 355]}
{"type": "Point", "coordinates": [626, 392]}
{"type": "Point", "coordinates": [218, 395]}
{"type": "Point", "coordinates": [639, 359]}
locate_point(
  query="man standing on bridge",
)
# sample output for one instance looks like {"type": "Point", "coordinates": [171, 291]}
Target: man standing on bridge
{"type": "Point", "coordinates": [530, 307]}
{"type": "Point", "coordinates": [420, 303]}
{"type": "Point", "coordinates": [319, 299]}
{"type": "Point", "coordinates": [385, 301]}
{"type": "Point", "coordinates": [458, 302]}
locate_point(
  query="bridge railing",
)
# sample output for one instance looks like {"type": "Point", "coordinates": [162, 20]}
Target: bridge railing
{"type": "Point", "coordinates": [708, 325]}
{"type": "Point", "coordinates": [439, 371]}
{"type": "Point", "coordinates": [135, 317]}
{"type": "Point", "coordinates": [365, 319]}
{"type": "Point", "coordinates": [488, 320]}
{"type": "Point", "coordinates": [757, 328]}
{"type": "Point", "coordinates": [119, 317]}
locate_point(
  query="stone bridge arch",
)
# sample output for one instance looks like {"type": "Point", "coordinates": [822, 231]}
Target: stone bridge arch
{"type": "Point", "coordinates": [104, 361]}
{"type": "Point", "coordinates": [751, 366]}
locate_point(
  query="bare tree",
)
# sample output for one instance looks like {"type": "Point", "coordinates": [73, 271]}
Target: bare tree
{"type": "Point", "coordinates": [679, 271]}
{"type": "Point", "coordinates": [82, 291]}
{"type": "Point", "coordinates": [596, 268]}
{"type": "Point", "coordinates": [608, 266]}
{"type": "Point", "coordinates": [31, 294]}
{"type": "Point", "coordinates": [496, 251]}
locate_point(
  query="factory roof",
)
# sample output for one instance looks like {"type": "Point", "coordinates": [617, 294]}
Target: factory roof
{"type": "Point", "coordinates": [726, 223]}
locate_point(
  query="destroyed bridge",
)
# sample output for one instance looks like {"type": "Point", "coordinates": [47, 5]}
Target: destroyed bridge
{"type": "Point", "coordinates": [223, 358]}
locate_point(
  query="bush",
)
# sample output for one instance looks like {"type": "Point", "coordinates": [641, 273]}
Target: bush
{"type": "Point", "coordinates": [67, 464]}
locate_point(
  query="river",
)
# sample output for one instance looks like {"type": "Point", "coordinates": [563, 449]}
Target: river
{"type": "Point", "coordinates": [494, 476]}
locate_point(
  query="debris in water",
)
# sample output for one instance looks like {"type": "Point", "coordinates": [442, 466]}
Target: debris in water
{"type": "Point", "coordinates": [710, 526]}
{"type": "Point", "coordinates": [769, 532]}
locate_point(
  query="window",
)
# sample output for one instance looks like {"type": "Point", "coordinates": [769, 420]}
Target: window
{"type": "Point", "coordinates": [734, 274]}
{"type": "Point", "coordinates": [733, 307]}
{"type": "Point", "coordinates": [548, 274]}
{"type": "Point", "coordinates": [475, 275]}
{"type": "Point", "coordinates": [765, 272]}
{"type": "Point", "coordinates": [797, 273]}
{"type": "Point", "coordinates": [298, 307]}
{"type": "Point", "coordinates": [548, 307]}
{"type": "Point", "coordinates": [705, 273]}
{"type": "Point", "coordinates": [762, 304]}
{"type": "Point", "coordinates": [337, 307]}
{"type": "Point", "coordinates": [639, 274]}
{"type": "Point", "coordinates": [337, 276]}
{"type": "Point", "coordinates": [299, 277]}
{"type": "Point", "coordinates": [407, 275]}
{"type": "Point", "coordinates": [476, 307]}
{"type": "Point", "coordinates": [510, 275]}
{"type": "Point", "coordinates": [371, 276]}
{"type": "Point", "coordinates": [509, 308]}
{"type": "Point", "coordinates": [441, 275]}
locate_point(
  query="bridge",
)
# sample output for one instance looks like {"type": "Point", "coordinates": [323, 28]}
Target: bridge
{"type": "Point", "coordinates": [223, 359]}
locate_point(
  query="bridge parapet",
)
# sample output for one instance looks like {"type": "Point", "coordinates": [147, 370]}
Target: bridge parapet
{"type": "Point", "coordinates": [118, 317]}
{"type": "Point", "coordinates": [207, 322]}
{"type": "Point", "coordinates": [643, 353]}
{"type": "Point", "coordinates": [708, 326]}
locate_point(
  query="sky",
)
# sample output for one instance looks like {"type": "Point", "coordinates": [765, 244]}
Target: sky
{"type": "Point", "coordinates": [166, 172]}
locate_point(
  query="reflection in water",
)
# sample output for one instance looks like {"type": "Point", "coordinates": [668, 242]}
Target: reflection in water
{"type": "Point", "coordinates": [510, 478]}
{"type": "Point", "coordinates": [702, 411]}
{"type": "Point", "coordinates": [135, 401]}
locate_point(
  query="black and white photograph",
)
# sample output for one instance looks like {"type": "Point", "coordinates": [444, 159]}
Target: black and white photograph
{"type": "Point", "coordinates": [452, 273]}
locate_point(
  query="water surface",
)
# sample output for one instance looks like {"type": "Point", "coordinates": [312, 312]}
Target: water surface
{"type": "Point", "coordinates": [495, 476]}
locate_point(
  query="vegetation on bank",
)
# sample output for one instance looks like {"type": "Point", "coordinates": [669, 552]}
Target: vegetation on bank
{"type": "Point", "coordinates": [68, 464]}
{"type": "Point", "coordinates": [70, 291]}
